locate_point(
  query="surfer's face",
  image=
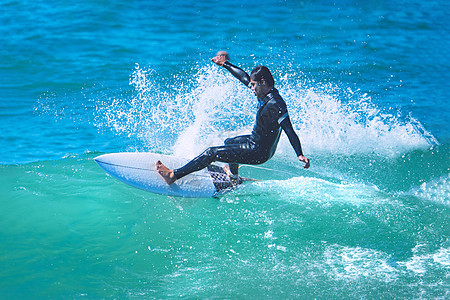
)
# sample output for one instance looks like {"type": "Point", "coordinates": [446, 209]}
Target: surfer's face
{"type": "Point", "coordinates": [260, 88]}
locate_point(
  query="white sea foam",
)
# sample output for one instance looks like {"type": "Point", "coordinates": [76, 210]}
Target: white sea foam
{"type": "Point", "coordinates": [352, 263]}
{"type": "Point", "coordinates": [320, 191]}
{"type": "Point", "coordinates": [186, 113]}
{"type": "Point", "coordinates": [348, 122]}
{"type": "Point", "coordinates": [436, 190]}
{"type": "Point", "coordinates": [422, 261]}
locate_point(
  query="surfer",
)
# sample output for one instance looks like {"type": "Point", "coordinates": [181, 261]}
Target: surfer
{"type": "Point", "coordinates": [260, 145]}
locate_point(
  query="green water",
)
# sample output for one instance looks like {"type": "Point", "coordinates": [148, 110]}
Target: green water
{"type": "Point", "coordinates": [277, 238]}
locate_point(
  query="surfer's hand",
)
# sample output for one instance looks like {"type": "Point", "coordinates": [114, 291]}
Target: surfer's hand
{"type": "Point", "coordinates": [305, 160]}
{"type": "Point", "coordinates": [219, 60]}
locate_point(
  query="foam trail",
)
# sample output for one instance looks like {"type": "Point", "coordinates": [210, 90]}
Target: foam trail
{"type": "Point", "coordinates": [436, 190]}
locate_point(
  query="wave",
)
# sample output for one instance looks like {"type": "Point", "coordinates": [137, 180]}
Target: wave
{"type": "Point", "coordinates": [349, 138]}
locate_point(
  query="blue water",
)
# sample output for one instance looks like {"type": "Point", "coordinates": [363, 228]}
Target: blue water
{"type": "Point", "coordinates": [366, 85]}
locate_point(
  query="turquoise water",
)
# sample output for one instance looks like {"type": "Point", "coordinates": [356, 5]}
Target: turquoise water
{"type": "Point", "coordinates": [366, 85]}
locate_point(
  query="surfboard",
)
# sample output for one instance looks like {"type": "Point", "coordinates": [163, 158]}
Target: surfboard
{"type": "Point", "coordinates": [138, 170]}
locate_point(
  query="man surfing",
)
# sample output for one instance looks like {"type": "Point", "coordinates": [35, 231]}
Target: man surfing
{"type": "Point", "coordinates": [260, 145]}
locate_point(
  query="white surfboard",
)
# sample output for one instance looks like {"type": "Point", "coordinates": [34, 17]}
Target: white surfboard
{"type": "Point", "coordinates": [138, 169]}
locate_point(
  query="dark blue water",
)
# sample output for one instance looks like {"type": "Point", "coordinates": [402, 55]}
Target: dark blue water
{"type": "Point", "coordinates": [366, 85]}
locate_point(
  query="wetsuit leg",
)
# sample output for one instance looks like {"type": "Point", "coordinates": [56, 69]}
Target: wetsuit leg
{"type": "Point", "coordinates": [237, 150]}
{"type": "Point", "coordinates": [234, 167]}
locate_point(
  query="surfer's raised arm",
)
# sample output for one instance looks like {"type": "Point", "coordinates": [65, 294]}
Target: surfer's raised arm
{"type": "Point", "coordinates": [221, 59]}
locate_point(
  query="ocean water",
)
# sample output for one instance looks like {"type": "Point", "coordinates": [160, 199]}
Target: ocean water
{"type": "Point", "coordinates": [366, 84]}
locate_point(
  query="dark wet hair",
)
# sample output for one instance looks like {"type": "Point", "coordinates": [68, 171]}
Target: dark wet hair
{"type": "Point", "coordinates": [260, 72]}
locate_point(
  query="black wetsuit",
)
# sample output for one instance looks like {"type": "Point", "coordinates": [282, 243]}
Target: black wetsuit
{"type": "Point", "coordinates": [260, 145]}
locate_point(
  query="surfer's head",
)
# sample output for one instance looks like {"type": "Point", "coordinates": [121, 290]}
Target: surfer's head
{"type": "Point", "coordinates": [261, 81]}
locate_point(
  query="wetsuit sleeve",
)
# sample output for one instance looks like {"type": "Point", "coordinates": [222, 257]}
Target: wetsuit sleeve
{"type": "Point", "coordinates": [238, 73]}
{"type": "Point", "coordinates": [285, 123]}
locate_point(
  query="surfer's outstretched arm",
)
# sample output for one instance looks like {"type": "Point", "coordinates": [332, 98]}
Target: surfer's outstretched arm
{"type": "Point", "coordinates": [221, 60]}
{"type": "Point", "coordinates": [238, 73]}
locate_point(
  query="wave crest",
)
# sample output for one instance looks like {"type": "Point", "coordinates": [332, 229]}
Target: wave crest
{"type": "Point", "coordinates": [190, 111]}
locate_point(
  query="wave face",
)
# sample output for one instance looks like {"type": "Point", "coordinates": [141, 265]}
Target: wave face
{"type": "Point", "coordinates": [291, 233]}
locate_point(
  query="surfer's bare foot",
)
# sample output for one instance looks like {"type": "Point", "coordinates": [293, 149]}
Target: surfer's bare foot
{"type": "Point", "coordinates": [165, 172]}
